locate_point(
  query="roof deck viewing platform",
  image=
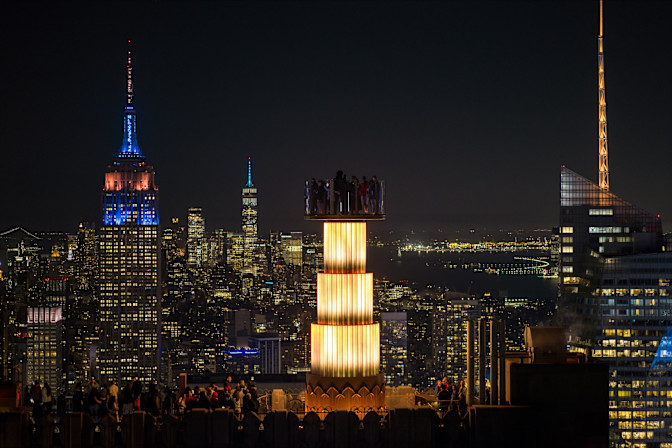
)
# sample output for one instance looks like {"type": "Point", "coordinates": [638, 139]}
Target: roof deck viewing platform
{"type": "Point", "coordinates": [345, 199]}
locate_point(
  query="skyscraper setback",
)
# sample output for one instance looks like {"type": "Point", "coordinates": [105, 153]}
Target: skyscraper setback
{"type": "Point", "coordinates": [128, 260]}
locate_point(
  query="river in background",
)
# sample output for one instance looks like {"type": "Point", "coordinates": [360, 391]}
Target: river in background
{"type": "Point", "coordinates": [421, 269]}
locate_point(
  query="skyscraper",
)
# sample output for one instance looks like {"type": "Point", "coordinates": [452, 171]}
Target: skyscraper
{"type": "Point", "coordinates": [394, 347]}
{"type": "Point", "coordinates": [196, 242]}
{"type": "Point", "coordinates": [129, 260]}
{"type": "Point", "coordinates": [249, 217]}
{"type": "Point", "coordinates": [86, 256]}
{"type": "Point", "coordinates": [614, 299]}
{"type": "Point", "coordinates": [458, 312]}
{"type": "Point", "coordinates": [291, 246]}
{"type": "Point", "coordinates": [44, 346]}
{"type": "Point", "coordinates": [615, 279]}
{"type": "Point", "coordinates": [595, 224]}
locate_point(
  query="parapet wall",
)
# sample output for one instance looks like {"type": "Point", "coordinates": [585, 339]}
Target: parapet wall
{"type": "Point", "coordinates": [222, 429]}
{"type": "Point", "coordinates": [476, 427]}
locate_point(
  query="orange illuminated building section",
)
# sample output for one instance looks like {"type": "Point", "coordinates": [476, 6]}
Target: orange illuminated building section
{"type": "Point", "coordinates": [130, 194]}
{"type": "Point", "coordinates": [129, 180]}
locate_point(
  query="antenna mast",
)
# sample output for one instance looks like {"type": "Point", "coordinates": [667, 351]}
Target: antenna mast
{"type": "Point", "coordinates": [129, 76]}
{"type": "Point", "coordinates": [603, 161]}
{"type": "Point", "coordinates": [249, 183]}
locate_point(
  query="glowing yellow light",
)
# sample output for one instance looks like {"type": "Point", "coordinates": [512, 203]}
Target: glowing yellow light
{"type": "Point", "coordinates": [344, 247]}
{"type": "Point", "coordinates": [345, 342]}
{"type": "Point", "coordinates": [344, 299]}
{"type": "Point", "coordinates": [345, 350]}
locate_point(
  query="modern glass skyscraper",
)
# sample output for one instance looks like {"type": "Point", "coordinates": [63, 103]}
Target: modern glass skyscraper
{"type": "Point", "coordinates": [614, 295]}
{"type": "Point", "coordinates": [129, 260]}
{"type": "Point", "coordinates": [249, 217]}
{"type": "Point", "coordinates": [595, 224]}
{"type": "Point", "coordinates": [615, 300]}
{"type": "Point", "coordinates": [635, 337]}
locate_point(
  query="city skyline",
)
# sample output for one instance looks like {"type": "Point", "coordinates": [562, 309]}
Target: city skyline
{"type": "Point", "coordinates": [458, 119]}
{"type": "Point", "coordinates": [372, 86]}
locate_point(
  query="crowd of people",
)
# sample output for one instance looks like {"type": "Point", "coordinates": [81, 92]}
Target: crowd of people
{"type": "Point", "coordinates": [445, 391]}
{"type": "Point", "coordinates": [242, 397]}
{"type": "Point", "coordinates": [350, 197]}
{"type": "Point", "coordinates": [449, 395]}
{"type": "Point", "coordinates": [100, 400]}
{"type": "Point", "coordinates": [41, 398]}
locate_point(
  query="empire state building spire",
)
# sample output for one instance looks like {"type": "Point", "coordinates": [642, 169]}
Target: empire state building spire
{"type": "Point", "coordinates": [603, 161]}
{"type": "Point", "coordinates": [129, 145]}
{"type": "Point", "coordinates": [129, 76]}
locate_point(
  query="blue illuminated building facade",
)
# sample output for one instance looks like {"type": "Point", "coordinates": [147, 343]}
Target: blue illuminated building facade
{"type": "Point", "coordinates": [130, 195]}
{"type": "Point", "coordinates": [662, 361]}
{"type": "Point", "coordinates": [129, 288]}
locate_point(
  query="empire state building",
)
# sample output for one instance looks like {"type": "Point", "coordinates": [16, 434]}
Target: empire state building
{"type": "Point", "coordinates": [129, 260]}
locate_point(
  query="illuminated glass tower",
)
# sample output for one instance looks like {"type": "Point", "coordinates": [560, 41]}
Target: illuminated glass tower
{"type": "Point", "coordinates": [129, 261]}
{"type": "Point", "coordinates": [615, 301]}
{"type": "Point", "coordinates": [249, 217]}
{"type": "Point", "coordinates": [345, 341]}
{"type": "Point", "coordinates": [594, 224]}
{"type": "Point", "coordinates": [615, 289]}
{"type": "Point", "coordinates": [196, 250]}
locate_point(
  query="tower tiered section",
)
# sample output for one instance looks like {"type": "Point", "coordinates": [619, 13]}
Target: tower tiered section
{"type": "Point", "coordinates": [345, 341]}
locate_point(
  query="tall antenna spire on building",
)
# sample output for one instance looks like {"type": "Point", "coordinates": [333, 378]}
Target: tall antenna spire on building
{"type": "Point", "coordinates": [249, 183]}
{"type": "Point", "coordinates": [129, 146]}
{"type": "Point", "coordinates": [129, 76]}
{"type": "Point", "coordinates": [603, 161]}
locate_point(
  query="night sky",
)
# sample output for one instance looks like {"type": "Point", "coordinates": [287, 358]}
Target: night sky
{"type": "Point", "coordinates": [466, 109]}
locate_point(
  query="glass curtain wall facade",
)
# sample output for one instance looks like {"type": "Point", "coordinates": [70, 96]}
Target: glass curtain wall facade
{"type": "Point", "coordinates": [635, 337]}
{"type": "Point", "coordinates": [614, 300]}
{"type": "Point", "coordinates": [595, 224]}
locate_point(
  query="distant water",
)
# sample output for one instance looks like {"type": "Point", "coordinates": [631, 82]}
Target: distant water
{"type": "Point", "coordinates": [421, 269]}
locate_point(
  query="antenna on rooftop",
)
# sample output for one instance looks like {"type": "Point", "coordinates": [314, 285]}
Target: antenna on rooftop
{"type": "Point", "coordinates": [603, 152]}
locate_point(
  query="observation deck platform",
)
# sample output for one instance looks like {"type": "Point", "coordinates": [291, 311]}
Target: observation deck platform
{"type": "Point", "coordinates": [339, 199]}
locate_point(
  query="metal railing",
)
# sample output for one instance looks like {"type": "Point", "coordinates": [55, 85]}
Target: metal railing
{"type": "Point", "coordinates": [339, 198]}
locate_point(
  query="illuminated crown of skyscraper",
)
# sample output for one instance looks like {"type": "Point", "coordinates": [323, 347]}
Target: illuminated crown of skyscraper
{"type": "Point", "coordinates": [130, 195]}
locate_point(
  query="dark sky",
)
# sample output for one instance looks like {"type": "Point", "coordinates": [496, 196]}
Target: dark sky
{"type": "Point", "coordinates": [466, 109]}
